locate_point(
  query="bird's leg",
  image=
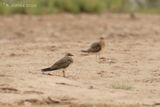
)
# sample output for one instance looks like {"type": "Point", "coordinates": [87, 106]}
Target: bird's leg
{"type": "Point", "coordinates": [63, 73]}
{"type": "Point", "coordinates": [101, 58]}
{"type": "Point", "coordinates": [99, 55]}
{"type": "Point", "coordinates": [96, 57]}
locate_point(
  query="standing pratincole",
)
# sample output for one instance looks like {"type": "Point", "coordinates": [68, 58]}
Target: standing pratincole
{"type": "Point", "coordinates": [96, 47]}
{"type": "Point", "coordinates": [61, 64]}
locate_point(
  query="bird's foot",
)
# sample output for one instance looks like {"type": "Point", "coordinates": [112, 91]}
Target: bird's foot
{"type": "Point", "coordinates": [102, 60]}
{"type": "Point", "coordinates": [47, 74]}
{"type": "Point", "coordinates": [111, 61]}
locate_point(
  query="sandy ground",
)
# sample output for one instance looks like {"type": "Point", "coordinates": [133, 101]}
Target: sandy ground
{"type": "Point", "coordinates": [130, 76]}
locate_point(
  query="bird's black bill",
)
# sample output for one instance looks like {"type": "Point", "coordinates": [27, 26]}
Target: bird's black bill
{"type": "Point", "coordinates": [69, 54]}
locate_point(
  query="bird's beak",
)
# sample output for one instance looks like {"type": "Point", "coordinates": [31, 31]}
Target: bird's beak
{"type": "Point", "coordinates": [102, 38]}
{"type": "Point", "coordinates": [71, 55]}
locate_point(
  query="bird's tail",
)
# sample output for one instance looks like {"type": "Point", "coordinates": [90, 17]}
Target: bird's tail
{"type": "Point", "coordinates": [47, 69]}
{"type": "Point", "coordinates": [86, 51]}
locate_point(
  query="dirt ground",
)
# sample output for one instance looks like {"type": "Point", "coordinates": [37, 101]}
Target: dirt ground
{"type": "Point", "coordinates": [129, 77]}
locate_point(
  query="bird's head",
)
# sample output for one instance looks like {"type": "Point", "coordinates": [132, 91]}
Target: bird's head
{"type": "Point", "coordinates": [101, 38]}
{"type": "Point", "coordinates": [102, 41]}
{"type": "Point", "coordinates": [69, 54]}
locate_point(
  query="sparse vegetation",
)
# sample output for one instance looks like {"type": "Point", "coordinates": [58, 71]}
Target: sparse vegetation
{"type": "Point", "coordinates": [123, 86]}
{"type": "Point", "coordinates": [72, 6]}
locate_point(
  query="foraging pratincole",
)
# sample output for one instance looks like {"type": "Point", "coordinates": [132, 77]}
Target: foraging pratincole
{"type": "Point", "coordinates": [96, 47]}
{"type": "Point", "coordinates": [61, 64]}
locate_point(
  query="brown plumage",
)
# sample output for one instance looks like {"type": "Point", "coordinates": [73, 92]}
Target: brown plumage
{"type": "Point", "coordinates": [60, 64]}
{"type": "Point", "coordinates": [96, 47]}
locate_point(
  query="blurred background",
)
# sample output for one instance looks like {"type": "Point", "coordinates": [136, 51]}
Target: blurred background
{"type": "Point", "coordinates": [78, 6]}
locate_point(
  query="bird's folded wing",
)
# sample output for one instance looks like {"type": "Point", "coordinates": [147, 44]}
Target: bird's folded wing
{"type": "Point", "coordinates": [95, 47]}
{"type": "Point", "coordinates": [62, 63]}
